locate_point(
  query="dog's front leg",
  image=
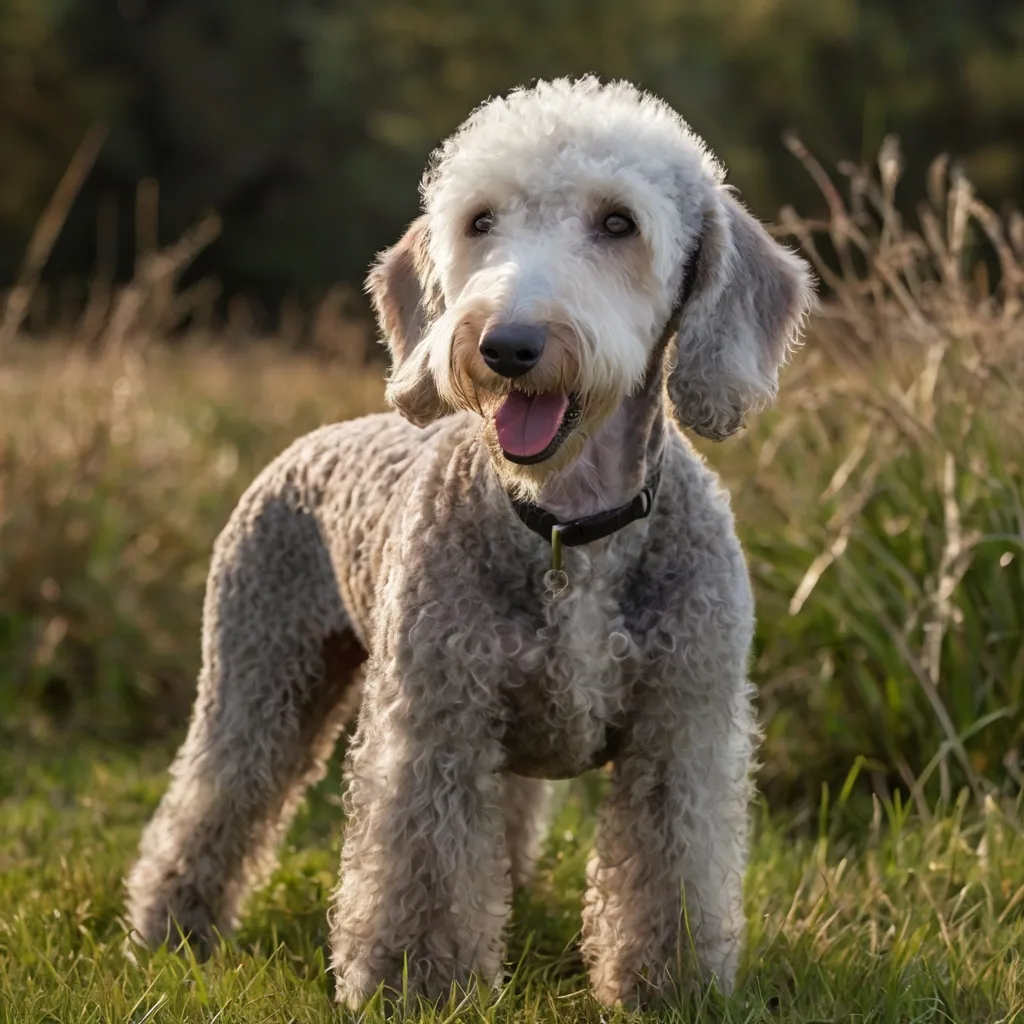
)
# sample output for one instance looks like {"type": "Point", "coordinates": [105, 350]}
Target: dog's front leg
{"type": "Point", "coordinates": [665, 884]}
{"type": "Point", "coordinates": [425, 887]}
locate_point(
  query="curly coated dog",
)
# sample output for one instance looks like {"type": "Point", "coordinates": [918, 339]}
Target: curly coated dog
{"type": "Point", "coordinates": [524, 573]}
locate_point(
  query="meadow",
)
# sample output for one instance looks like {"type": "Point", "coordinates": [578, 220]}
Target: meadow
{"type": "Point", "coordinates": [881, 505]}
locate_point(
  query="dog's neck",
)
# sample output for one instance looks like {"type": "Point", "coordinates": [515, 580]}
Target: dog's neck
{"type": "Point", "coordinates": [617, 459]}
{"type": "Point", "coordinates": [623, 455]}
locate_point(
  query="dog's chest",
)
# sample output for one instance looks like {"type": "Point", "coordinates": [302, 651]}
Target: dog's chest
{"type": "Point", "coordinates": [571, 667]}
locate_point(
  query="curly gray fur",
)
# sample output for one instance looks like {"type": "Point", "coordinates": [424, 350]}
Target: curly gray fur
{"type": "Point", "coordinates": [389, 552]}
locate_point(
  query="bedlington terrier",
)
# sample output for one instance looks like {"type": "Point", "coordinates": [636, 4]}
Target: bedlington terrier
{"type": "Point", "coordinates": [524, 573]}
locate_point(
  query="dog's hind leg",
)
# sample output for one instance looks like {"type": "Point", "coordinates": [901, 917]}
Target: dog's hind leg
{"type": "Point", "coordinates": [527, 807]}
{"type": "Point", "coordinates": [280, 677]}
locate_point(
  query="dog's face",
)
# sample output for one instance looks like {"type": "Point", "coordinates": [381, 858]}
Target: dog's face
{"type": "Point", "coordinates": [559, 225]}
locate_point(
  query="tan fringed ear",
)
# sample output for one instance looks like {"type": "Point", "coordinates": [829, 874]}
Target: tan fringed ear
{"type": "Point", "coordinates": [749, 302]}
{"type": "Point", "coordinates": [407, 298]}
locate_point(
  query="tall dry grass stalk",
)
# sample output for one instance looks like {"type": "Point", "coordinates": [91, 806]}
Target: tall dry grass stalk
{"type": "Point", "coordinates": [48, 229]}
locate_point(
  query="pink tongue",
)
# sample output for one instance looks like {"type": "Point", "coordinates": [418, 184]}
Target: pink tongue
{"type": "Point", "coordinates": [527, 424]}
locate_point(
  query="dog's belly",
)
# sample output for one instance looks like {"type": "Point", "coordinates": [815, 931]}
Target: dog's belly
{"type": "Point", "coordinates": [557, 735]}
{"type": "Point", "coordinates": [541, 754]}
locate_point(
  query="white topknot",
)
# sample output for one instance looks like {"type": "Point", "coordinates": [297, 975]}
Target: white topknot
{"type": "Point", "coordinates": [567, 122]}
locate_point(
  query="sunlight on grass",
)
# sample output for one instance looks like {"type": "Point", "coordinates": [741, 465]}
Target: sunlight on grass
{"type": "Point", "coordinates": [909, 920]}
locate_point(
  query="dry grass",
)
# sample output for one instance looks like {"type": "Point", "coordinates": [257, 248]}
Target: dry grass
{"type": "Point", "coordinates": [116, 473]}
{"type": "Point", "coordinates": [884, 504]}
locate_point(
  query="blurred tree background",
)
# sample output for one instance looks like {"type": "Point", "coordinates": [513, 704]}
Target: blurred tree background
{"type": "Point", "coordinates": [306, 123]}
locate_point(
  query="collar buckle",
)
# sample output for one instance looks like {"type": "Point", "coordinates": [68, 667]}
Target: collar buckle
{"type": "Point", "coordinates": [556, 548]}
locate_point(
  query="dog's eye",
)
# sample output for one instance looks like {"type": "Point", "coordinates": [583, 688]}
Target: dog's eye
{"type": "Point", "coordinates": [482, 223]}
{"type": "Point", "coordinates": [618, 225]}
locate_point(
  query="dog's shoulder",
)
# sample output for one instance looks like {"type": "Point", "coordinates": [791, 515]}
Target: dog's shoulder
{"type": "Point", "coordinates": [692, 551]}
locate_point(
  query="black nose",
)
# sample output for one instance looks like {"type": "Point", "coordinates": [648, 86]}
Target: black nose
{"type": "Point", "coordinates": [511, 350]}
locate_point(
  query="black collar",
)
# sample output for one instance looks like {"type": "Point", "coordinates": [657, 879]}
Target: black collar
{"type": "Point", "coordinates": [587, 529]}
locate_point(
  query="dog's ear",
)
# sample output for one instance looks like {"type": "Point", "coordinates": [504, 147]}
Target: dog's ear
{"type": "Point", "coordinates": [750, 297]}
{"type": "Point", "coordinates": [407, 298]}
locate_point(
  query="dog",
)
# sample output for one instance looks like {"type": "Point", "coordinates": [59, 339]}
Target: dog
{"type": "Point", "coordinates": [524, 572]}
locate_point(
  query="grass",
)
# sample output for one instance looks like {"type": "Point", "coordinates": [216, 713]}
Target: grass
{"type": "Point", "coordinates": [912, 920]}
{"type": "Point", "coordinates": [881, 504]}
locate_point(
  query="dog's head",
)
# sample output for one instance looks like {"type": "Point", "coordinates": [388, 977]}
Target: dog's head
{"type": "Point", "coordinates": [564, 224]}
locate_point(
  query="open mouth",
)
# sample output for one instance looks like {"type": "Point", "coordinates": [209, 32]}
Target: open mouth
{"type": "Point", "coordinates": [531, 428]}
